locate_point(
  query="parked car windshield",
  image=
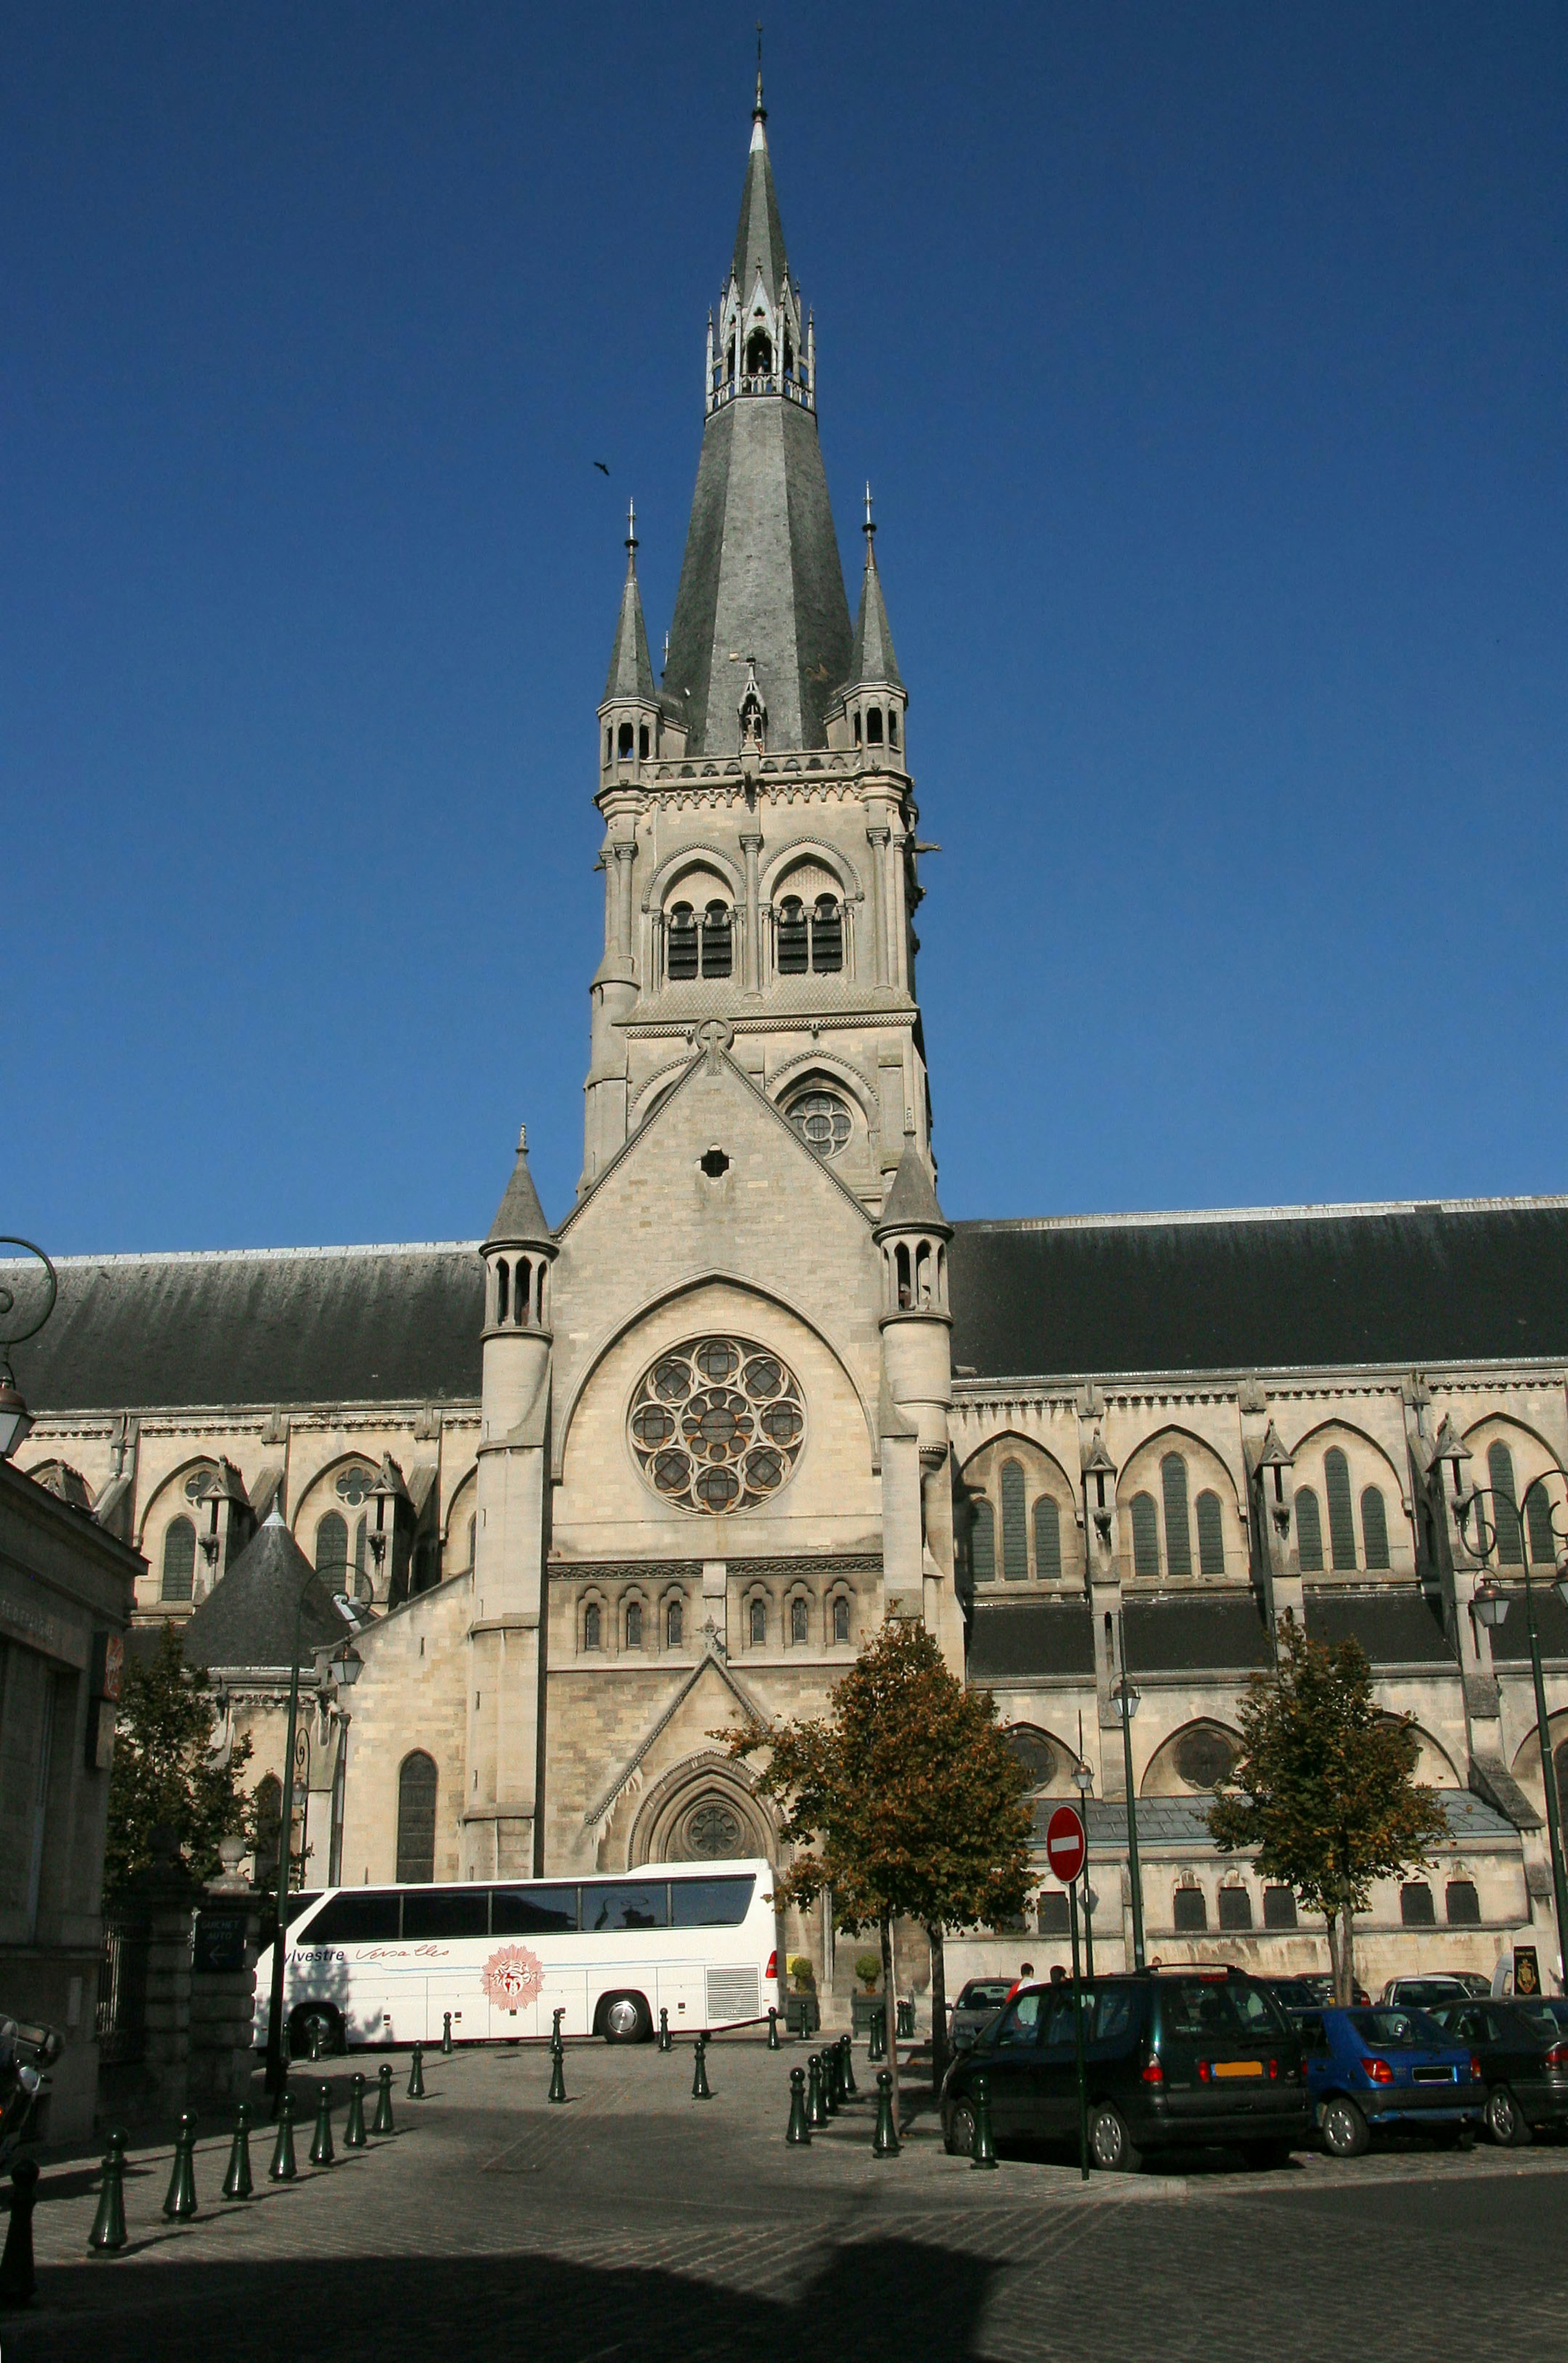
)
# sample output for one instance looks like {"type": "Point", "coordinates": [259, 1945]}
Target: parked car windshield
{"type": "Point", "coordinates": [1218, 2009]}
{"type": "Point", "coordinates": [1396, 2030]}
{"type": "Point", "coordinates": [985, 1993]}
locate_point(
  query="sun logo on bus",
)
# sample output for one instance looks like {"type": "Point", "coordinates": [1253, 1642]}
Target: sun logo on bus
{"type": "Point", "coordinates": [513, 1977]}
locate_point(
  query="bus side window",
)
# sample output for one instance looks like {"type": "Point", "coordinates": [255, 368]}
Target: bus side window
{"type": "Point", "coordinates": [356, 1915]}
{"type": "Point", "coordinates": [533, 1911]}
{"type": "Point", "coordinates": [709, 1902]}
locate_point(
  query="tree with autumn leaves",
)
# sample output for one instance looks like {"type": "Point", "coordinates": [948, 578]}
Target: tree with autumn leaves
{"type": "Point", "coordinates": [906, 1802]}
{"type": "Point", "coordinates": [1325, 1788]}
{"type": "Point", "coordinates": [165, 1773]}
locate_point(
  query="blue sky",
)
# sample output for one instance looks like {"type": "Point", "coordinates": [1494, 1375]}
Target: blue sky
{"type": "Point", "coordinates": [1209, 366]}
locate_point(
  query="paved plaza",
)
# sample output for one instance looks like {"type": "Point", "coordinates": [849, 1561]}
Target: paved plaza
{"type": "Point", "coordinates": [636, 2223]}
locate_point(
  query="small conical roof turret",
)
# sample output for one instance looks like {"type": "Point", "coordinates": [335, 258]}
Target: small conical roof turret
{"type": "Point", "coordinates": [630, 678]}
{"type": "Point", "coordinates": [871, 660]}
{"type": "Point", "coordinates": [253, 1614]}
{"type": "Point", "coordinates": [912, 1201]}
{"type": "Point", "coordinates": [519, 1218]}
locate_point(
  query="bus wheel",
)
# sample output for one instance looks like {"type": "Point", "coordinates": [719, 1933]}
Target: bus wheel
{"type": "Point", "coordinates": [317, 2018]}
{"type": "Point", "coordinates": [625, 2018]}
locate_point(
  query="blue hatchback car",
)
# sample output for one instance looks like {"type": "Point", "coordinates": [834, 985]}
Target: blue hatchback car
{"type": "Point", "coordinates": [1389, 2066]}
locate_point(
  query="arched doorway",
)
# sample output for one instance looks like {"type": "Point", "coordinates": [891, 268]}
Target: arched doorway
{"type": "Point", "coordinates": [701, 1811]}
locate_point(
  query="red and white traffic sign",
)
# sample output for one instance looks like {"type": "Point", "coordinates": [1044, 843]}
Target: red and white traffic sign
{"type": "Point", "coordinates": [1066, 1844]}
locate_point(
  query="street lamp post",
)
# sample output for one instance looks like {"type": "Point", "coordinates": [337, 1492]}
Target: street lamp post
{"type": "Point", "coordinates": [15, 1419]}
{"type": "Point", "coordinates": [346, 1671]}
{"type": "Point", "coordinates": [1084, 1781]}
{"type": "Point", "coordinates": [1491, 1606]}
{"type": "Point", "coordinates": [1124, 1698]}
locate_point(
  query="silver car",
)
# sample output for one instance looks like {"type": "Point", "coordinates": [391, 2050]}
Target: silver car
{"type": "Point", "coordinates": [1443, 1985]}
{"type": "Point", "coordinates": [978, 2003]}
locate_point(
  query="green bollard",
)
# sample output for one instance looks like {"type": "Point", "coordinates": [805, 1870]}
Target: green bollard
{"type": "Point", "coordinates": [446, 2035]}
{"type": "Point", "coordinates": [982, 2150]}
{"type": "Point", "coordinates": [321, 2151]}
{"type": "Point", "coordinates": [354, 2134]}
{"type": "Point", "coordinates": [282, 2167]}
{"type": "Point", "coordinates": [318, 2047]}
{"type": "Point", "coordinates": [876, 2048]}
{"type": "Point", "coordinates": [852, 2090]}
{"type": "Point", "coordinates": [885, 2144]}
{"type": "Point", "coordinates": [237, 2182]}
{"type": "Point", "coordinates": [555, 2018]}
{"type": "Point", "coordinates": [699, 2072]}
{"type": "Point", "coordinates": [773, 2028]}
{"type": "Point", "coordinates": [179, 2200]}
{"type": "Point", "coordinates": [816, 2114]}
{"type": "Point", "coordinates": [799, 2130]}
{"type": "Point", "coordinates": [382, 2120]}
{"type": "Point", "coordinates": [666, 2040]}
{"type": "Point", "coordinates": [19, 2280]}
{"type": "Point", "coordinates": [108, 2235]}
{"type": "Point", "coordinates": [830, 2098]}
{"type": "Point", "coordinates": [417, 2074]}
{"type": "Point", "coordinates": [557, 2073]}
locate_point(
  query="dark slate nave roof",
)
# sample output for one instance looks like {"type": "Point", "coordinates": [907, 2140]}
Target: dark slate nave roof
{"type": "Point", "coordinates": [1283, 1288]}
{"type": "Point", "coordinates": [281, 1326]}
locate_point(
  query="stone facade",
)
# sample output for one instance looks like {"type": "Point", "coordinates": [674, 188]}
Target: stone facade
{"type": "Point", "coordinates": [600, 1489]}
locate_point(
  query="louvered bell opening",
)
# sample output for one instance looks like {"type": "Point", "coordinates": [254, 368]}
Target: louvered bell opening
{"type": "Point", "coordinates": [680, 951]}
{"type": "Point", "coordinates": [717, 942]}
{"type": "Point", "coordinates": [793, 950]}
{"type": "Point", "coordinates": [827, 936]}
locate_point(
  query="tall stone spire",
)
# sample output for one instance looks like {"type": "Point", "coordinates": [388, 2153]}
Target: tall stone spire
{"type": "Point", "coordinates": [762, 577]}
{"type": "Point", "coordinates": [631, 668]}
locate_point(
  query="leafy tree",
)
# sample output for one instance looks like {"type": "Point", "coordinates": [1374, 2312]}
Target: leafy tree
{"type": "Point", "coordinates": [164, 1772]}
{"type": "Point", "coordinates": [1326, 1794]}
{"type": "Point", "coordinates": [909, 1801]}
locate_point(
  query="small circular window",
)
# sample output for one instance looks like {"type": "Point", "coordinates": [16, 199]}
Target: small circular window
{"type": "Point", "coordinates": [717, 1423]}
{"type": "Point", "coordinates": [822, 1120]}
{"type": "Point", "coordinates": [1205, 1757]}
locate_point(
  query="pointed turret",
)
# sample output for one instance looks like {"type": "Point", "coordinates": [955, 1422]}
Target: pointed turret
{"type": "Point", "coordinates": [628, 713]}
{"type": "Point", "coordinates": [519, 1218]}
{"type": "Point", "coordinates": [270, 1599]}
{"type": "Point", "coordinates": [761, 580]}
{"type": "Point", "coordinates": [874, 699]}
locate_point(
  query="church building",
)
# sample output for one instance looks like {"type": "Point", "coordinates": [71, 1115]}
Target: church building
{"type": "Point", "coordinates": [588, 1492]}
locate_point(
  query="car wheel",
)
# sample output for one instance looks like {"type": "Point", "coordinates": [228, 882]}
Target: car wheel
{"type": "Point", "coordinates": [625, 2018]}
{"type": "Point", "coordinates": [1110, 2144]}
{"type": "Point", "coordinates": [960, 2134]}
{"type": "Point", "coordinates": [1262, 2155]}
{"type": "Point", "coordinates": [1345, 2130]}
{"type": "Point", "coordinates": [1506, 2119]}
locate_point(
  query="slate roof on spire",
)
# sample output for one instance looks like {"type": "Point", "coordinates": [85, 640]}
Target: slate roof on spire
{"type": "Point", "coordinates": [247, 1619]}
{"type": "Point", "coordinates": [912, 1201]}
{"type": "Point", "coordinates": [519, 1217]}
{"type": "Point", "coordinates": [871, 659]}
{"type": "Point", "coordinates": [759, 235]}
{"type": "Point", "coordinates": [762, 575]}
{"type": "Point", "coordinates": [631, 668]}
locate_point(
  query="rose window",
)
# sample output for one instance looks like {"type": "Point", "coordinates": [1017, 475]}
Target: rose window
{"type": "Point", "coordinates": [822, 1121]}
{"type": "Point", "coordinates": [718, 1424]}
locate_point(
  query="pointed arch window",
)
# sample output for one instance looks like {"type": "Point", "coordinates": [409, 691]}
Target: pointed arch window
{"type": "Point", "coordinates": [1145, 1535]}
{"type": "Point", "coordinates": [1537, 1517]}
{"type": "Point", "coordinates": [501, 1283]}
{"type": "Point", "coordinates": [1309, 1531]}
{"type": "Point", "coordinates": [1015, 1525]}
{"type": "Point", "coordinates": [799, 1617]}
{"type": "Point", "coordinates": [332, 1551]}
{"type": "Point", "coordinates": [634, 1625]}
{"type": "Point", "coordinates": [1505, 1506]}
{"type": "Point", "coordinates": [416, 1818]}
{"type": "Point", "coordinates": [874, 725]}
{"type": "Point", "coordinates": [1374, 1528]}
{"type": "Point", "coordinates": [982, 1542]}
{"type": "Point", "coordinates": [591, 1626]}
{"type": "Point", "coordinates": [841, 1618]}
{"type": "Point", "coordinates": [178, 1560]}
{"type": "Point", "coordinates": [758, 1624]}
{"type": "Point", "coordinates": [1047, 1540]}
{"type": "Point", "coordinates": [1341, 1520]}
{"type": "Point", "coordinates": [1210, 1535]}
{"type": "Point", "coordinates": [1178, 1533]}
{"type": "Point", "coordinates": [674, 1626]}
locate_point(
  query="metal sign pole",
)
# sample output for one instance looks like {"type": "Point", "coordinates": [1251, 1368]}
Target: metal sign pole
{"type": "Point", "coordinates": [1078, 2040]}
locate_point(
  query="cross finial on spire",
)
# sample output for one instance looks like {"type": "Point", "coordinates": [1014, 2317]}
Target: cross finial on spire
{"type": "Point", "coordinates": [759, 113]}
{"type": "Point", "coordinates": [632, 530]}
{"type": "Point", "coordinates": [869, 527]}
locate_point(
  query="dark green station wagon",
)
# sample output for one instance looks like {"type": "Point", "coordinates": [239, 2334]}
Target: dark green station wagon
{"type": "Point", "coordinates": [1175, 2059]}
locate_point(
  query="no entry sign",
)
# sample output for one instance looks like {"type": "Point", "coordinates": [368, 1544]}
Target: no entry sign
{"type": "Point", "coordinates": [1065, 1846]}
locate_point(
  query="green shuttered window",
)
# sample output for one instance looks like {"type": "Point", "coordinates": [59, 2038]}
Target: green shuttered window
{"type": "Point", "coordinates": [1308, 1530]}
{"type": "Point", "coordinates": [1505, 1506]}
{"type": "Point", "coordinates": [1145, 1535]}
{"type": "Point", "coordinates": [982, 1543]}
{"type": "Point", "coordinates": [1210, 1536]}
{"type": "Point", "coordinates": [1178, 1533]}
{"type": "Point", "coordinates": [1015, 1525]}
{"type": "Point", "coordinates": [178, 1560]}
{"type": "Point", "coordinates": [1047, 1540]}
{"type": "Point", "coordinates": [1374, 1527]}
{"type": "Point", "coordinates": [1341, 1519]}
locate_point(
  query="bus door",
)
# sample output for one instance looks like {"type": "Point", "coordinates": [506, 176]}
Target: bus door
{"type": "Point", "coordinates": [446, 1930]}
{"type": "Point", "coordinates": [533, 1963]}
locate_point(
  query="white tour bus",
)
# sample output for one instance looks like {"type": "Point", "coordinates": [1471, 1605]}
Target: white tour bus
{"type": "Point", "coordinates": [385, 1964]}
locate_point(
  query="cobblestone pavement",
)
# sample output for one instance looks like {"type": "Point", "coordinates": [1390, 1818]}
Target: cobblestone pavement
{"type": "Point", "coordinates": [636, 2222]}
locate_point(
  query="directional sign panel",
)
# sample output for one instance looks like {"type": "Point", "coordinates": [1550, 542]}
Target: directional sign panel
{"type": "Point", "coordinates": [1066, 1844]}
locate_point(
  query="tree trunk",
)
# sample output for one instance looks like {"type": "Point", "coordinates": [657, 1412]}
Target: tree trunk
{"type": "Point", "coordinates": [1342, 1951]}
{"type": "Point", "coordinates": [890, 2008]}
{"type": "Point", "coordinates": [939, 2010]}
